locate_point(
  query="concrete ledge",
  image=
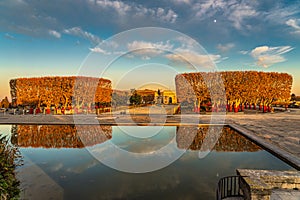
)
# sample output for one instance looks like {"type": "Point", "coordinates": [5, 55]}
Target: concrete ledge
{"type": "Point", "coordinates": [262, 184]}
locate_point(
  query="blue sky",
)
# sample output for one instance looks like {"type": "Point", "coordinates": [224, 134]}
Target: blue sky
{"type": "Point", "coordinates": [39, 38]}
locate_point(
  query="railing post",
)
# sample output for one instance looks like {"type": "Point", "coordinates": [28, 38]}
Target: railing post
{"type": "Point", "coordinates": [229, 187]}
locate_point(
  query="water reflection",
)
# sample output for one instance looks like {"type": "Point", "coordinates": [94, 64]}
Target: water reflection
{"type": "Point", "coordinates": [58, 166]}
{"type": "Point", "coordinates": [70, 136]}
{"type": "Point", "coordinates": [229, 141]}
{"type": "Point", "coordinates": [60, 136]}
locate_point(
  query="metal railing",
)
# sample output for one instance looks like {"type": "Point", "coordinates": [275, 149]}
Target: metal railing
{"type": "Point", "coordinates": [229, 187]}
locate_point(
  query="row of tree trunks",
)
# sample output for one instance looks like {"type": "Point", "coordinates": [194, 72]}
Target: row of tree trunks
{"type": "Point", "coordinates": [60, 91]}
{"type": "Point", "coordinates": [240, 88]}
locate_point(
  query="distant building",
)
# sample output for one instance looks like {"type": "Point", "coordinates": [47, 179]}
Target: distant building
{"type": "Point", "coordinates": [147, 95]}
{"type": "Point", "coordinates": [165, 97]}
{"type": "Point", "coordinates": [4, 103]}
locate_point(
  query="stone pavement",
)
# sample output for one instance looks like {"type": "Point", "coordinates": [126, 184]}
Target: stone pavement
{"type": "Point", "coordinates": [151, 109]}
{"type": "Point", "coordinates": [279, 133]}
{"type": "Point", "coordinates": [285, 195]}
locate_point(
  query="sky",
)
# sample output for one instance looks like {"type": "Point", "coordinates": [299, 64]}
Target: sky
{"type": "Point", "coordinates": [109, 38]}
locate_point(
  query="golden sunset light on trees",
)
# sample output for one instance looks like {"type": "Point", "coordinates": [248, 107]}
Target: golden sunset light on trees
{"type": "Point", "coordinates": [60, 91]}
{"type": "Point", "coordinates": [249, 88]}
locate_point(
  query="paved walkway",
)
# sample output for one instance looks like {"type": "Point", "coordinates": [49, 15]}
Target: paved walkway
{"type": "Point", "coordinates": [279, 133]}
{"type": "Point", "coordinates": [285, 195]}
{"type": "Point", "coordinates": [146, 110]}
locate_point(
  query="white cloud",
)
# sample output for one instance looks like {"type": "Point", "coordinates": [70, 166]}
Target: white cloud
{"type": "Point", "coordinates": [181, 1]}
{"type": "Point", "coordinates": [168, 16]}
{"type": "Point", "coordinates": [239, 12]}
{"type": "Point", "coordinates": [225, 47]}
{"type": "Point", "coordinates": [187, 42]}
{"type": "Point", "coordinates": [119, 6]}
{"type": "Point", "coordinates": [234, 10]}
{"type": "Point", "coordinates": [208, 8]}
{"type": "Point", "coordinates": [99, 50]}
{"type": "Point", "coordinates": [243, 52]}
{"type": "Point", "coordinates": [190, 57]}
{"type": "Point", "coordinates": [266, 56]}
{"type": "Point", "coordinates": [293, 23]}
{"type": "Point", "coordinates": [280, 15]}
{"type": "Point", "coordinates": [149, 48]}
{"type": "Point", "coordinates": [54, 33]}
{"type": "Point", "coordinates": [182, 54]}
{"type": "Point", "coordinates": [126, 9]}
{"type": "Point", "coordinates": [106, 52]}
{"type": "Point", "coordinates": [109, 47]}
{"type": "Point", "coordinates": [159, 13]}
{"type": "Point", "coordinates": [8, 36]}
{"type": "Point", "coordinates": [77, 31]}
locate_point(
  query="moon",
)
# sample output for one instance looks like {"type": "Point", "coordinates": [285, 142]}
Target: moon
{"type": "Point", "coordinates": [215, 21]}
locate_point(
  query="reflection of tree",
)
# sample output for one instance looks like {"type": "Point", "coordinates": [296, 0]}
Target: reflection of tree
{"type": "Point", "coordinates": [9, 185]}
{"type": "Point", "coordinates": [61, 136]}
{"type": "Point", "coordinates": [193, 137]}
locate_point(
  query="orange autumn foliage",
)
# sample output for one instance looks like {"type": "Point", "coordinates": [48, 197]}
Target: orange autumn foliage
{"type": "Point", "coordinates": [60, 91]}
{"type": "Point", "coordinates": [60, 136]}
{"type": "Point", "coordinates": [193, 138]}
{"type": "Point", "coordinates": [240, 87]}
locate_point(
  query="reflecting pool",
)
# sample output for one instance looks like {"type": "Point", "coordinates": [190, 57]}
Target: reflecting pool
{"type": "Point", "coordinates": [82, 162]}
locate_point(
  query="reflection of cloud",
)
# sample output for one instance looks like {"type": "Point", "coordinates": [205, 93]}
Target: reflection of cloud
{"type": "Point", "coordinates": [136, 186]}
{"type": "Point", "coordinates": [56, 167]}
{"type": "Point", "coordinates": [137, 147]}
{"type": "Point", "coordinates": [36, 183]}
{"type": "Point", "coordinates": [266, 56]}
{"type": "Point", "coordinates": [98, 149]}
{"type": "Point", "coordinates": [144, 159]}
{"type": "Point", "coordinates": [79, 169]}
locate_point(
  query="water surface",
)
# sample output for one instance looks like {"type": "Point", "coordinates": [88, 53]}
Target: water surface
{"type": "Point", "coordinates": [60, 162]}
